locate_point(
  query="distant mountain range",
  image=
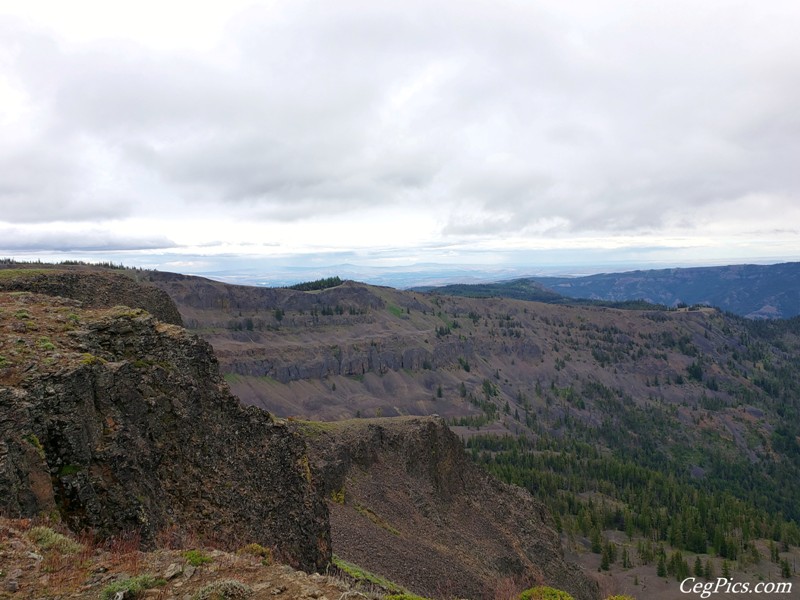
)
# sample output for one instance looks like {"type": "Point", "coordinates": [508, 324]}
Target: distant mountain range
{"type": "Point", "coordinates": [752, 291]}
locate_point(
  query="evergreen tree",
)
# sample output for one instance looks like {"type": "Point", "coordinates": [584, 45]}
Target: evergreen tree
{"type": "Point", "coordinates": [597, 543]}
{"type": "Point", "coordinates": [698, 567]}
{"type": "Point", "coordinates": [662, 567]}
{"type": "Point", "coordinates": [786, 569]}
{"type": "Point", "coordinates": [605, 561]}
{"type": "Point", "coordinates": [708, 570]}
{"type": "Point", "coordinates": [773, 552]}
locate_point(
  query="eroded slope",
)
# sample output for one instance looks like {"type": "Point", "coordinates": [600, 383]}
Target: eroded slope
{"type": "Point", "coordinates": [407, 503]}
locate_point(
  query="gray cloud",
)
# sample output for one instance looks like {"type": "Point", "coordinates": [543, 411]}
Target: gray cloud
{"type": "Point", "coordinates": [14, 239]}
{"type": "Point", "coordinates": [513, 118]}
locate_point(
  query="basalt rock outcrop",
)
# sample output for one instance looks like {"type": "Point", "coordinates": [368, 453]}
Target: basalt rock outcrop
{"type": "Point", "coordinates": [92, 287]}
{"type": "Point", "coordinates": [407, 503]}
{"type": "Point", "coordinates": [114, 421]}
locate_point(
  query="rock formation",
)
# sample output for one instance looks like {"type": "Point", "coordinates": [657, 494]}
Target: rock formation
{"type": "Point", "coordinates": [406, 502]}
{"type": "Point", "coordinates": [114, 421]}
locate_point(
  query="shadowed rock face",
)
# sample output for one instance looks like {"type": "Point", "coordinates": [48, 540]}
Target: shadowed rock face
{"type": "Point", "coordinates": [407, 503]}
{"type": "Point", "coordinates": [122, 423]}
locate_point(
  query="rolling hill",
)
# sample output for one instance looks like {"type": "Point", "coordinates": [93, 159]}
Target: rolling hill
{"type": "Point", "coordinates": [752, 291]}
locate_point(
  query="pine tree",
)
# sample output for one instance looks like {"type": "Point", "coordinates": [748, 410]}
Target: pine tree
{"type": "Point", "coordinates": [726, 569]}
{"type": "Point", "coordinates": [597, 543]}
{"type": "Point", "coordinates": [662, 567]}
{"type": "Point", "coordinates": [611, 549]}
{"type": "Point", "coordinates": [698, 567]}
{"type": "Point", "coordinates": [605, 560]}
{"type": "Point", "coordinates": [708, 570]}
{"type": "Point", "coordinates": [786, 569]}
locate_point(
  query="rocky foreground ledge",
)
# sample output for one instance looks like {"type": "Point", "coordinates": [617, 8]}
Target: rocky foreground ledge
{"type": "Point", "coordinates": [113, 421]}
{"type": "Point", "coordinates": [38, 562]}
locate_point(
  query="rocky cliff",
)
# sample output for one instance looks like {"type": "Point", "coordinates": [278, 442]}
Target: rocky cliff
{"type": "Point", "coordinates": [92, 287]}
{"type": "Point", "coordinates": [407, 503]}
{"type": "Point", "coordinates": [115, 421]}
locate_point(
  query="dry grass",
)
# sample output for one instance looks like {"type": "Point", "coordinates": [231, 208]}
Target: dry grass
{"type": "Point", "coordinates": [105, 567]}
{"type": "Point", "coordinates": [124, 552]}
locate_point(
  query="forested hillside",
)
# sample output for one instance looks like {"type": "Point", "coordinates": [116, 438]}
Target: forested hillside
{"type": "Point", "coordinates": [674, 427]}
{"type": "Point", "coordinates": [753, 291]}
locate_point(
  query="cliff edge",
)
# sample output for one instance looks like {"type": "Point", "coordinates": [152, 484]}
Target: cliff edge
{"type": "Point", "coordinates": [114, 421]}
{"type": "Point", "coordinates": [407, 503]}
{"type": "Point", "coordinates": [92, 286]}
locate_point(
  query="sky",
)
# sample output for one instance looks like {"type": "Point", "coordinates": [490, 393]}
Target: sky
{"type": "Point", "coordinates": [524, 135]}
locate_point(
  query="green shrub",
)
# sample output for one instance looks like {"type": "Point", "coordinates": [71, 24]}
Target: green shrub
{"type": "Point", "coordinates": [541, 592]}
{"type": "Point", "coordinates": [227, 589]}
{"type": "Point", "coordinates": [134, 586]}
{"type": "Point", "coordinates": [90, 359]}
{"type": "Point", "coordinates": [47, 539]}
{"type": "Point", "coordinates": [257, 550]}
{"type": "Point", "coordinates": [362, 576]}
{"type": "Point", "coordinates": [69, 470]}
{"type": "Point", "coordinates": [197, 557]}
{"type": "Point", "coordinates": [46, 344]}
{"type": "Point", "coordinates": [33, 440]}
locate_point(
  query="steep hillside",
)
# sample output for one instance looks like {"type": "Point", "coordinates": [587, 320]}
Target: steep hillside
{"type": "Point", "coordinates": [407, 503]}
{"type": "Point", "coordinates": [115, 421]}
{"type": "Point", "coordinates": [754, 291]}
{"type": "Point", "coordinates": [646, 421]}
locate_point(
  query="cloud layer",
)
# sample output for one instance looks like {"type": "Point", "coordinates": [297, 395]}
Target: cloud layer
{"type": "Point", "coordinates": [501, 122]}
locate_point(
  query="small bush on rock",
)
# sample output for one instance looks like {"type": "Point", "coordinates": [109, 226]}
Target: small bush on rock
{"type": "Point", "coordinates": [227, 589]}
{"type": "Point", "coordinates": [134, 587]}
{"type": "Point", "coordinates": [542, 592]}
{"type": "Point", "coordinates": [257, 550]}
{"type": "Point", "coordinates": [196, 557]}
{"type": "Point", "coordinates": [47, 539]}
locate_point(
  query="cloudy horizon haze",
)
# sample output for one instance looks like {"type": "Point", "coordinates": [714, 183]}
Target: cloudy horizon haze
{"type": "Point", "coordinates": [507, 136]}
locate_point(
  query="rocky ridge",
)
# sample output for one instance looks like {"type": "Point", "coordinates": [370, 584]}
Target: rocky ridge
{"type": "Point", "coordinates": [406, 502]}
{"type": "Point", "coordinates": [115, 421]}
{"type": "Point", "coordinates": [93, 288]}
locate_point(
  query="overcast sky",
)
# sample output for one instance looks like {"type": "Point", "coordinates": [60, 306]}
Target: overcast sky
{"type": "Point", "coordinates": [182, 134]}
